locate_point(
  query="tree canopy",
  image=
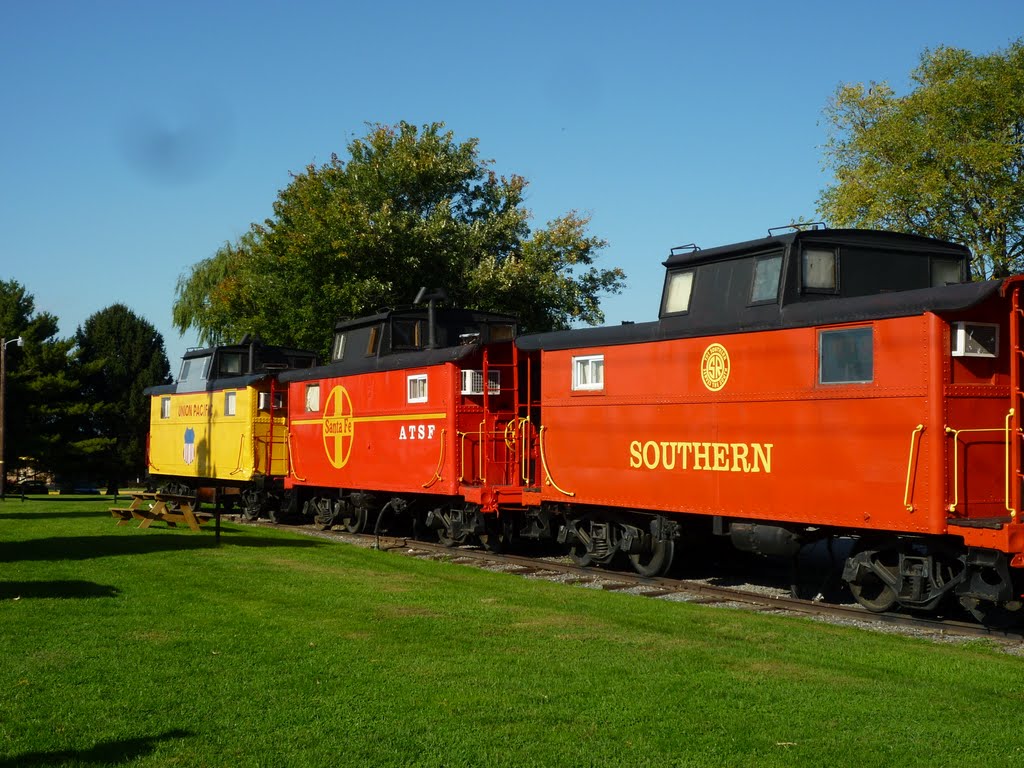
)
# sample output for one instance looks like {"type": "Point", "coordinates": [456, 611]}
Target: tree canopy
{"type": "Point", "coordinates": [119, 354]}
{"type": "Point", "coordinates": [944, 160]}
{"type": "Point", "coordinates": [74, 407]}
{"type": "Point", "coordinates": [410, 208]}
{"type": "Point", "coordinates": [41, 405]}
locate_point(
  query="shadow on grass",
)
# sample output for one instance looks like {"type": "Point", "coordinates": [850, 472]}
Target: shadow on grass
{"type": "Point", "coordinates": [12, 498]}
{"type": "Point", "coordinates": [105, 753]}
{"type": "Point", "coordinates": [47, 515]}
{"type": "Point", "coordinates": [10, 590]}
{"type": "Point", "coordinates": [89, 547]}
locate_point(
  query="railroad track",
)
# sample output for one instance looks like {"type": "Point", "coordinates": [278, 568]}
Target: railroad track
{"type": "Point", "coordinates": [692, 591]}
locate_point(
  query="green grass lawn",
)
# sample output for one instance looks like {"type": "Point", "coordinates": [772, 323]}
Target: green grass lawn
{"type": "Point", "coordinates": [121, 646]}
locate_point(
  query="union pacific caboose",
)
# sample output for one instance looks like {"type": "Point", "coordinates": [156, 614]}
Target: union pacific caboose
{"type": "Point", "coordinates": [220, 427]}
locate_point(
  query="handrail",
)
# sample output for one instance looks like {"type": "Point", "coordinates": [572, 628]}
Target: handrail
{"type": "Point", "coordinates": [462, 455]}
{"type": "Point", "coordinates": [291, 465]}
{"type": "Point", "coordinates": [480, 432]}
{"type": "Point", "coordinates": [440, 462]}
{"type": "Point", "coordinates": [914, 437]}
{"type": "Point", "coordinates": [544, 463]}
{"type": "Point", "coordinates": [524, 425]}
{"type": "Point", "coordinates": [1009, 467]}
{"type": "Point", "coordinates": [238, 461]}
{"type": "Point", "coordinates": [1006, 430]}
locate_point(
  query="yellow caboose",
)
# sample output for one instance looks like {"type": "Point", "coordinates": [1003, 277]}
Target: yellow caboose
{"type": "Point", "coordinates": [221, 428]}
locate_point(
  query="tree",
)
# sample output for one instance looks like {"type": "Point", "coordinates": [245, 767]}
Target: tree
{"type": "Point", "coordinates": [119, 355]}
{"type": "Point", "coordinates": [410, 208]}
{"type": "Point", "coordinates": [944, 160]}
{"type": "Point", "coordinates": [42, 407]}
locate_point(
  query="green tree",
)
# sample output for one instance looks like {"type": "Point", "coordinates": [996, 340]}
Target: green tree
{"type": "Point", "coordinates": [943, 160]}
{"type": "Point", "coordinates": [42, 407]}
{"type": "Point", "coordinates": [119, 355]}
{"type": "Point", "coordinates": [411, 207]}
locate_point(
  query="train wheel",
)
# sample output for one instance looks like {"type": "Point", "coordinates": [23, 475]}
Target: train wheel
{"type": "Point", "coordinates": [496, 535]}
{"type": "Point", "coordinates": [874, 586]}
{"type": "Point", "coordinates": [580, 556]}
{"type": "Point", "coordinates": [995, 615]}
{"type": "Point", "coordinates": [353, 518]}
{"type": "Point", "coordinates": [446, 539]}
{"type": "Point", "coordinates": [324, 513]}
{"type": "Point", "coordinates": [656, 562]}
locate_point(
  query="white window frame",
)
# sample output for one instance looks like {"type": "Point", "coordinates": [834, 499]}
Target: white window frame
{"type": "Point", "coordinates": [584, 368]}
{"type": "Point", "coordinates": [165, 407]}
{"type": "Point", "coordinates": [312, 398]}
{"type": "Point", "coordinates": [230, 403]}
{"type": "Point", "coordinates": [416, 388]}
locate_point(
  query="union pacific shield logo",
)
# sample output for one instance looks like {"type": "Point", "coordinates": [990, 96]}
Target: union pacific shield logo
{"type": "Point", "coordinates": [189, 453]}
{"type": "Point", "coordinates": [338, 427]}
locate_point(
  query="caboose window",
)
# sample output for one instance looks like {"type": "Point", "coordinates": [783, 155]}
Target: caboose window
{"type": "Point", "coordinates": [230, 364]}
{"type": "Point", "coordinates": [588, 373]}
{"type": "Point", "coordinates": [819, 270]}
{"type": "Point", "coordinates": [371, 345]}
{"type": "Point", "coordinates": [406, 334]}
{"type": "Point", "coordinates": [766, 279]}
{"type": "Point", "coordinates": [165, 407]}
{"type": "Point", "coordinates": [312, 398]}
{"type": "Point", "coordinates": [416, 388]}
{"type": "Point", "coordinates": [338, 350]}
{"type": "Point", "coordinates": [193, 370]}
{"type": "Point", "coordinates": [677, 292]}
{"type": "Point", "coordinates": [946, 272]}
{"type": "Point", "coordinates": [229, 403]}
{"type": "Point", "coordinates": [846, 356]}
{"type": "Point", "coordinates": [502, 331]}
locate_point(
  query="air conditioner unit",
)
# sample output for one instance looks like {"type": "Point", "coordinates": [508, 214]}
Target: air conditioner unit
{"type": "Point", "coordinates": [974, 339]}
{"type": "Point", "coordinates": [473, 382]}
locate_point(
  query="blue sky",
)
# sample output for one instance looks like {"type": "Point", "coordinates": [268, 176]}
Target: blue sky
{"type": "Point", "coordinates": [137, 137]}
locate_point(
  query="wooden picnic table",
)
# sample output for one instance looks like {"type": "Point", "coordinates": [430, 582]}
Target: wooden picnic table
{"type": "Point", "coordinates": [170, 508]}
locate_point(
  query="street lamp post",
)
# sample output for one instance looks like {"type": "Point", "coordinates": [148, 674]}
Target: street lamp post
{"type": "Point", "coordinates": [3, 395]}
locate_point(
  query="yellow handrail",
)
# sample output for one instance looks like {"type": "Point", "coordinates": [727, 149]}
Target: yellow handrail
{"type": "Point", "coordinates": [291, 466]}
{"type": "Point", "coordinates": [524, 424]}
{"type": "Point", "coordinates": [544, 463]}
{"type": "Point", "coordinates": [238, 462]}
{"type": "Point", "coordinates": [480, 433]}
{"type": "Point", "coordinates": [440, 462]}
{"type": "Point", "coordinates": [462, 455]}
{"type": "Point", "coordinates": [1009, 469]}
{"type": "Point", "coordinates": [910, 463]}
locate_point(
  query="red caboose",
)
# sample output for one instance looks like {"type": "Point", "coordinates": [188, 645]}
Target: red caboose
{"type": "Point", "coordinates": [816, 384]}
{"type": "Point", "coordinates": [417, 413]}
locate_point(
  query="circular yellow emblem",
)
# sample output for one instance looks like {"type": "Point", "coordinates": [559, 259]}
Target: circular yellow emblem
{"type": "Point", "coordinates": [338, 427]}
{"type": "Point", "coordinates": [714, 367]}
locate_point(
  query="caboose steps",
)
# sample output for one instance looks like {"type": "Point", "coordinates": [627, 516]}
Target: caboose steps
{"type": "Point", "coordinates": [995, 523]}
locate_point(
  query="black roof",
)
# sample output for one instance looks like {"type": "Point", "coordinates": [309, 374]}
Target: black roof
{"type": "Point", "coordinates": [884, 275]}
{"type": "Point", "coordinates": [862, 237]}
